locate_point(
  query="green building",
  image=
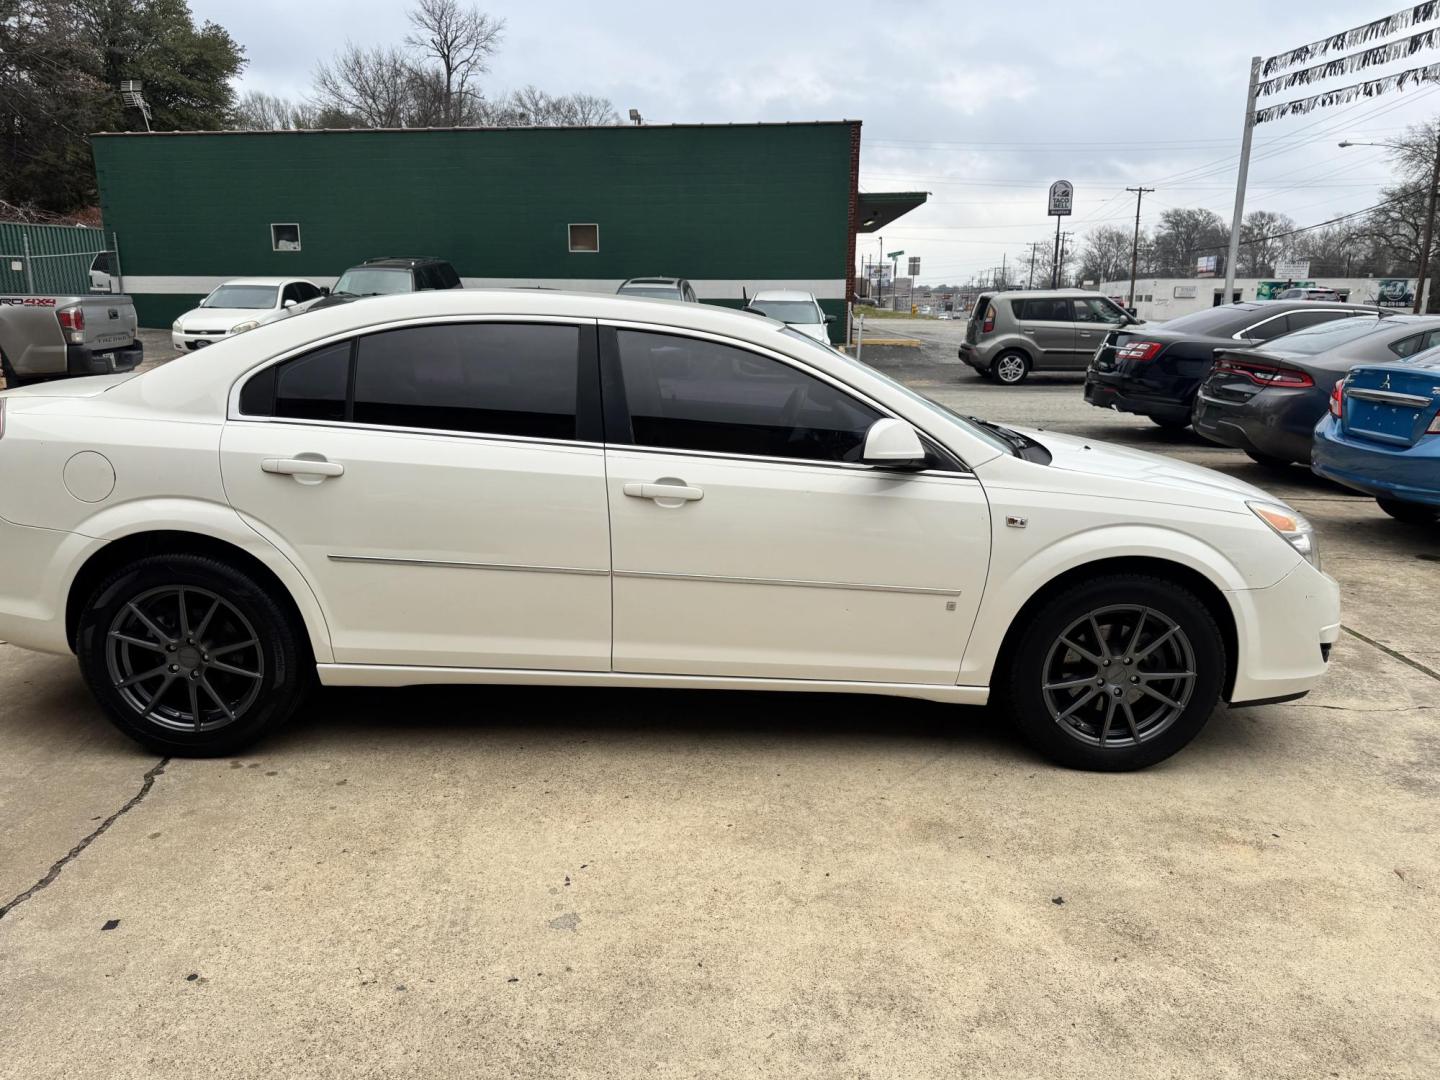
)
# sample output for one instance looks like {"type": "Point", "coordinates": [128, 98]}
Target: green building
{"type": "Point", "coordinates": [733, 208]}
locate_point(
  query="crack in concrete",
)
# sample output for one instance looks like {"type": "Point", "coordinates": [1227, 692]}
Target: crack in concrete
{"type": "Point", "coordinates": [1393, 653]}
{"type": "Point", "coordinates": [147, 782]}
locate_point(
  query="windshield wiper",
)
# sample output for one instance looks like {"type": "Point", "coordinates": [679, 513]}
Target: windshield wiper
{"type": "Point", "coordinates": [1012, 438]}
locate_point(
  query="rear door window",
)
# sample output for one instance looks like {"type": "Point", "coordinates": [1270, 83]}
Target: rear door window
{"type": "Point", "coordinates": [1042, 310]}
{"type": "Point", "coordinates": [492, 378]}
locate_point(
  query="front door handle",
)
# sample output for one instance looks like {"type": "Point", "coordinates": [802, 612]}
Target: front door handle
{"type": "Point", "coordinates": [663, 492]}
{"type": "Point", "coordinates": [302, 467]}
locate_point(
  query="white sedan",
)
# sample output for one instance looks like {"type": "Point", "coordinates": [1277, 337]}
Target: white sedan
{"type": "Point", "coordinates": [584, 490]}
{"type": "Point", "coordinates": [238, 306]}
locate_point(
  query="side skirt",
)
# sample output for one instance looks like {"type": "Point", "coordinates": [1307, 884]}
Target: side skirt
{"type": "Point", "coordinates": [398, 675]}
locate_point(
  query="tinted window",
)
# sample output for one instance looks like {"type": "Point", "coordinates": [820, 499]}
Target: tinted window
{"type": "Point", "coordinates": [447, 277]}
{"type": "Point", "coordinates": [306, 291]}
{"type": "Point", "coordinates": [1268, 328]}
{"type": "Point", "coordinates": [309, 387]}
{"type": "Point", "coordinates": [1037, 310]}
{"type": "Point", "coordinates": [501, 379]}
{"type": "Point", "coordinates": [1216, 322]}
{"type": "Point", "coordinates": [689, 394]}
{"type": "Point", "coordinates": [1318, 338]}
{"type": "Point", "coordinates": [1301, 319]}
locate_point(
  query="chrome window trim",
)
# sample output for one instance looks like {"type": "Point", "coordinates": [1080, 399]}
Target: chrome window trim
{"type": "Point", "coordinates": [793, 362]}
{"type": "Point", "coordinates": [1243, 334]}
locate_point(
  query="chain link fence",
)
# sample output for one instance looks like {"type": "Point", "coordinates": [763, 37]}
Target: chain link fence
{"type": "Point", "coordinates": [57, 259]}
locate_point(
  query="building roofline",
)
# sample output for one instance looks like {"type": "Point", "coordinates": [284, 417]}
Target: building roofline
{"type": "Point", "coordinates": [532, 127]}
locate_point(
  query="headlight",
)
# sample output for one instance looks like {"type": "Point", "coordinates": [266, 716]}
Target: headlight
{"type": "Point", "coordinates": [1295, 530]}
{"type": "Point", "coordinates": [175, 327]}
{"type": "Point", "coordinates": [240, 328]}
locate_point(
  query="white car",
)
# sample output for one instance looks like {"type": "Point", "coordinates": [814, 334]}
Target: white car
{"type": "Point", "coordinates": [512, 486]}
{"type": "Point", "coordinates": [238, 306]}
{"type": "Point", "coordinates": [793, 308]}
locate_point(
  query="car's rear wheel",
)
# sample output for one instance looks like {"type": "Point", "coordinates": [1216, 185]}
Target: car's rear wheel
{"type": "Point", "coordinates": [190, 656]}
{"type": "Point", "coordinates": [1170, 423]}
{"type": "Point", "coordinates": [1269, 461]}
{"type": "Point", "coordinates": [1410, 513]}
{"type": "Point", "coordinates": [1116, 673]}
{"type": "Point", "coordinates": [1010, 367]}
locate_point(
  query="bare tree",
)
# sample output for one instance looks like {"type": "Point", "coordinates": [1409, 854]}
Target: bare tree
{"type": "Point", "coordinates": [1261, 242]}
{"type": "Point", "coordinates": [460, 41]}
{"type": "Point", "coordinates": [373, 85]}
{"type": "Point", "coordinates": [1105, 255]}
{"type": "Point", "coordinates": [533, 107]}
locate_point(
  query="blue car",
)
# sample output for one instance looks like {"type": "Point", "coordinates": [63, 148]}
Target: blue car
{"type": "Point", "coordinates": [1382, 436]}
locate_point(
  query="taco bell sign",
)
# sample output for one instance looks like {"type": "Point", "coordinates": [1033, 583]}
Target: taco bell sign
{"type": "Point", "coordinates": [1062, 196]}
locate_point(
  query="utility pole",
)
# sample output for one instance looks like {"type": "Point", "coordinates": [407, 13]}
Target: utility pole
{"type": "Point", "coordinates": [1135, 244]}
{"type": "Point", "coordinates": [1030, 281]}
{"type": "Point", "coordinates": [1004, 276]}
{"type": "Point", "coordinates": [1234, 254]}
{"type": "Point", "coordinates": [1060, 256]}
{"type": "Point", "coordinates": [1055, 264]}
{"type": "Point", "coordinates": [1424, 268]}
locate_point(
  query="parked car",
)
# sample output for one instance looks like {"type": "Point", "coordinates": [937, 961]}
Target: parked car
{"type": "Point", "coordinates": [659, 288]}
{"type": "Point", "coordinates": [1308, 293]}
{"type": "Point", "coordinates": [793, 308]}
{"type": "Point", "coordinates": [1382, 436]}
{"type": "Point", "coordinates": [1156, 371]}
{"type": "Point", "coordinates": [238, 306]}
{"type": "Point", "coordinates": [945, 316]}
{"type": "Point", "coordinates": [1011, 334]}
{"type": "Point", "coordinates": [1266, 401]}
{"type": "Point", "coordinates": [599, 491]}
{"type": "Point", "coordinates": [53, 337]}
{"type": "Point", "coordinates": [104, 277]}
{"type": "Point", "coordinates": [389, 275]}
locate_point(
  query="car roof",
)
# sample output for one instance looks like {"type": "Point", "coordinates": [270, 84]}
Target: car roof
{"type": "Point", "coordinates": [653, 281]}
{"type": "Point", "coordinates": [263, 281]}
{"type": "Point", "coordinates": [1042, 294]}
{"type": "Point", "coordinates": [400, 262]}
{"type": "Point", "coordinates": [782, 294]}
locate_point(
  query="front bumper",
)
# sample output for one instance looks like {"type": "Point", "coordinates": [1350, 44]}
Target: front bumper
{"type": "Point", "coordinates": [191, 342]}
{"type": "Point", "coordinates": [1284, 634]}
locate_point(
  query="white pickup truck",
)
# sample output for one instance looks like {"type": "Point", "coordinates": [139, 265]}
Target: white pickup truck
{"type": "Point", "coordinates": [55, 337]}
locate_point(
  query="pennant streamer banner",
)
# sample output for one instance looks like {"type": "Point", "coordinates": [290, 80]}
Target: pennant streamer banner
{"type": "Point", "coordinates": [1347, 65]}
{"type": "Point", "coordinates": [1373, 88]}
{"type": "Point", "coordinates": [1415, 15]}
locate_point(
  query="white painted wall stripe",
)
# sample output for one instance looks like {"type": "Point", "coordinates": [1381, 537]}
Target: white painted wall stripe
{"type": "Point", "coordinates": [705, 288]}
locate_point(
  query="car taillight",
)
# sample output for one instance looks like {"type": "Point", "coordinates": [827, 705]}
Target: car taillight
{"type": "Point", "coordinates": [1139, 350]}
{"type": "Point", "coordinates": [989, 323]}
{"type": "Point", "coordinates": [72, 324]}
{"type": "Point", "coordinates": [1266, 374]}
{"type": "Point", "coordinates": [1433, 429]}
{"type": "Point", "coordinates": [1337, 399]}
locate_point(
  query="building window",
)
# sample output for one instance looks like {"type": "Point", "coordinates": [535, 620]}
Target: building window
{"type": "Point", "coordinates": [285, 237]}
{"type": "Point", "coordinates": [584, 237]}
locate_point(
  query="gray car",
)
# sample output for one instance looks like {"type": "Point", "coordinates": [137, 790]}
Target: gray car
{"type": "Point", "coordinates": [1266, 401]}
{"type": "Point", "coordinates": [1011, 334]}
{"type": "Point", "coordinates": [659, 288]}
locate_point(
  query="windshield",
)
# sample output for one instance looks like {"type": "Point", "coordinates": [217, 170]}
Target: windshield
{"type": "Point", "coordinates": [369, 281]}
{"type": "Point", "coordinates": [655, 292]}
{"type": "Point", "coordinates": [788, 311]}
{"type": "Point", "coordinates": [252, 297]}
{"type": "Point", "coordinates": [1318, 339]}
{"type": "Point", "coordinates": [989, 438]}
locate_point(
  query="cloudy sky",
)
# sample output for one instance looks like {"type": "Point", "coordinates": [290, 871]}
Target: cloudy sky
{"type": "Point", "coordinates": [980, 104]}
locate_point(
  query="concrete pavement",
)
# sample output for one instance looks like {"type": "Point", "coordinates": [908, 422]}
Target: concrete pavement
{"type": "Point", "coordinates": [541, 883]}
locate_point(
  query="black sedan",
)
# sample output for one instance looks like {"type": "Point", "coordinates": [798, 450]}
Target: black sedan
{"type": "Point", "coordinates": [1267, 401]}
{"type": "Point", "coordinates": [1155, 370]}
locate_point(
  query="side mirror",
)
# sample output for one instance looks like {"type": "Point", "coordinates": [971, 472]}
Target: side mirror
{"type": "Point", "coordinates": [324, 290]}
{"type": "Point", "coordinates": [288, 304]}
{"type": "Point", "coordinates": [893, 444]}
{"type": "Point", "coordinates": [829, 319]}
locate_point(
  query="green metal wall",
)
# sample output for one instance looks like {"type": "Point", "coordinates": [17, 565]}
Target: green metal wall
{"type": "Point", "coordinates": [743, 202]}
{"type": "Point", "coordinates": [47, 258]}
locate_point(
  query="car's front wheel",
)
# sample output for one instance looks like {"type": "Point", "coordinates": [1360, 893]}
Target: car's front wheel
{"type": "Point", "coordinates": [191, 656]}
{"type": "Point", "coordinates": [1410, 513]}
{"type": "Point", "coordinates": [1116, 673]}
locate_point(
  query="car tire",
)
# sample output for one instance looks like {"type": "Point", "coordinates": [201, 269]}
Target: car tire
{"type": "Point", "coordinates": [1010, 368]}
{"type": "Point", "coordinates": [1269, 461]}
{"type": "Point", "coordinates": [1097, 701]}
{"type": "Point", "coordinates": [1410, 513]}
{"type": "Point", "coordinates": [1170, 423]}
{"type": "Point", "coordinates": [209, 682]}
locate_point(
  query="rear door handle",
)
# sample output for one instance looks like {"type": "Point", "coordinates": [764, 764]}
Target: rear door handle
{"type": "Point", "coordinates": [659, 491]}
{"type": "Point", "coordinates": [302, 467]}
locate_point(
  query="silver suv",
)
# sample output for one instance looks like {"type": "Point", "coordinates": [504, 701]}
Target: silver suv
{"type": "Point", "coordinates": [1011, 334]}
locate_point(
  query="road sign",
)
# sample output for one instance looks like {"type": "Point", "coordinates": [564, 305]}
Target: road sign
{"type": "Point", "coordinates": [893, 254]}
{"type": "Point", "coordinates": [1062, 197]}
{"type": "Point", "coordinates": [914, 265]}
